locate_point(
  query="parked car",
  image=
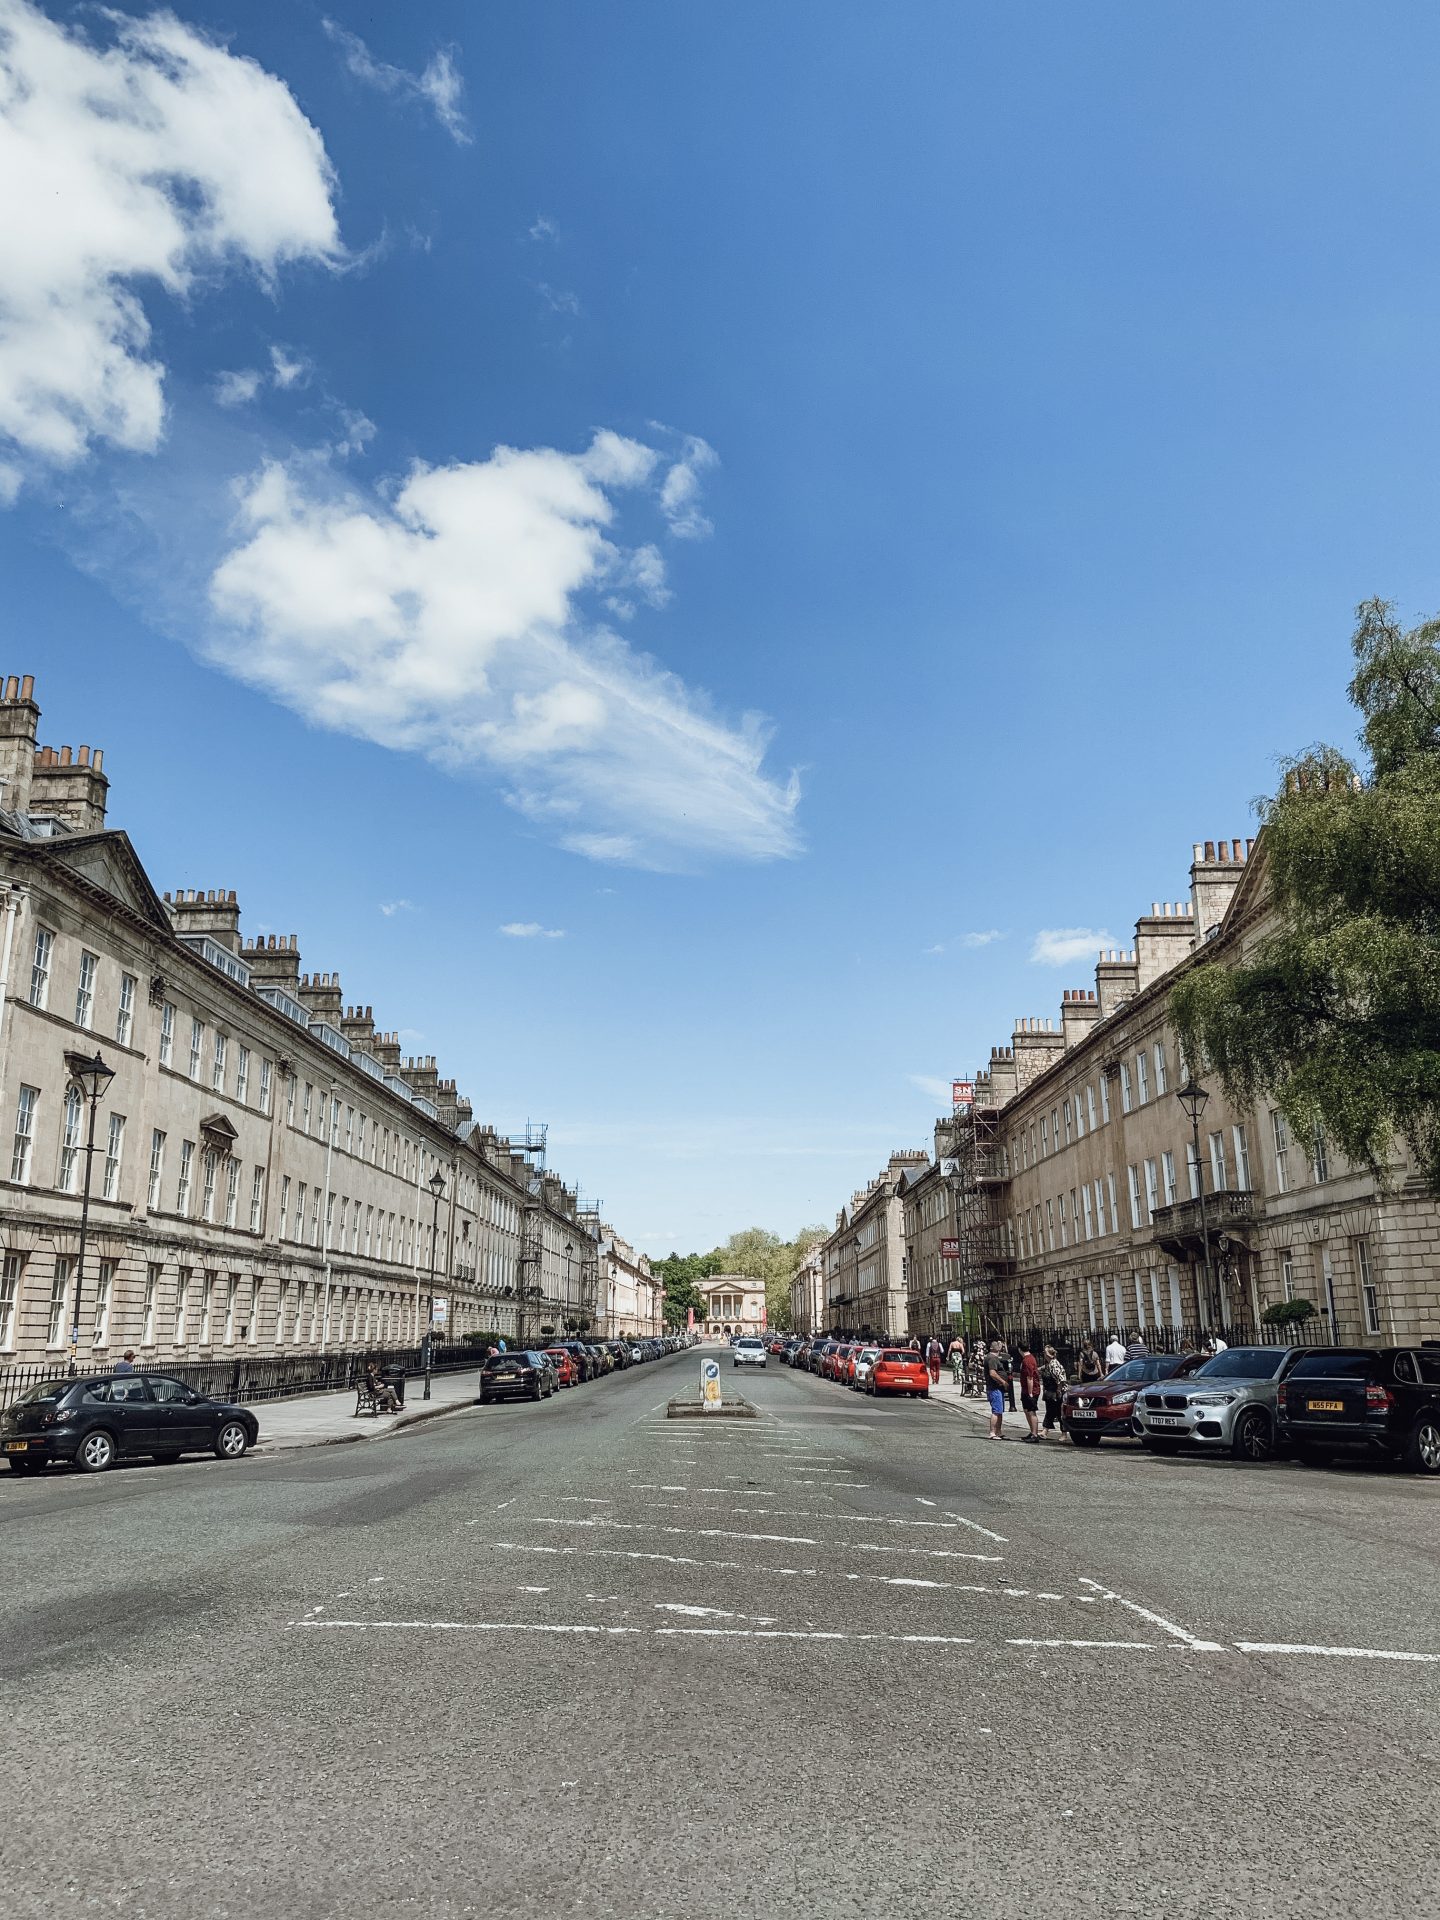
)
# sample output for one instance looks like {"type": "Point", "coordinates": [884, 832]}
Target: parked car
{"type": "Point", "coordinates": [748, 1352]}
{"type": "Point", "coordinates": [567, 1367]}
{"type": "Point", "coordinates": [518, 1374]}
{"type": "Point", "coordinates": [899, 1370]}
{"type": "Point", "coordinates": [95, 1421]}
{"type": "Point", "coordinates": [1105, 1409]}
{"type": "Point", "coordinates": [1227, 1404]}
{"type": "Point", "coordinates": [860, 1372]}
{"type": "Point", "coordinates": [1378, 1400]}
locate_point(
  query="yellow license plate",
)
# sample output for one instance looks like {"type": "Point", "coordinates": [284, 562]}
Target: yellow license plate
{"type": "Point", "coordinates": [1325, 1406]}
{"type": "Point", "coordinates": [16, 1446]}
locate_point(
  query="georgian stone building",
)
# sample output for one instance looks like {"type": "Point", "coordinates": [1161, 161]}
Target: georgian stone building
{"type": "Point", "coordinates": [734, 1303]}
{"type": "Point", "coordinates": [864, 1258]}
{"type": "Point", "coordinates": [931, 1268]}
{"type": "Point", "coordinates": [1077, 1196]}
{"type": "Point", "coordinates": [263, 1156]}
{"type": "Point", "coordinates": [632, 1299]}
{"type": "Point", "coordinates": [807, 1291]}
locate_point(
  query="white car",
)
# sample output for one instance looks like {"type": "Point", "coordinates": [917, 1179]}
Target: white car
{"type": "Point", "coordinates": [748, 1352]}
{"type": "Point", "coordinates": [864, 1361]}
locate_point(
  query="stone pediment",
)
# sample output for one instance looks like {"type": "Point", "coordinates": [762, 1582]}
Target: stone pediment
{"type": "Point", "coordinates": [108, 862]}
{"type": "Point", "coordinates": [217, 1132]}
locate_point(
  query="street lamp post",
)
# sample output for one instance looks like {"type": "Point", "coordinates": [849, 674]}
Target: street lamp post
{"type": "Point", "coordinates": [92, 1077]}
{"type": "Point", "coordinates": [1193, 1098]}
{"type": "Point", "coordinates": [437, 1187]}
{"type": "Point", "coordinates": [569, 1255]}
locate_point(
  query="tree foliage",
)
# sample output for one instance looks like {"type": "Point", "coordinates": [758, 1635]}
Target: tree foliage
{"type": "Point", "coordinates": [755, 1252]}
{"type": "Point", "coordinates": [1336, 1015]}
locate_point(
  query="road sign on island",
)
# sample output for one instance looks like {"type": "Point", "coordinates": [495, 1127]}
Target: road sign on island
{"type": "Point", "coordinates": [710, 1383]}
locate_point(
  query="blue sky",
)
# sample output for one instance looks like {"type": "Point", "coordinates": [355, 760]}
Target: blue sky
{"type": "Point", "coordinates": [985, 417]}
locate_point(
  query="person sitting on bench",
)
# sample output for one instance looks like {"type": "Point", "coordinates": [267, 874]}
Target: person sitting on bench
{"type": "Point", "coordinates": [385, 1397]}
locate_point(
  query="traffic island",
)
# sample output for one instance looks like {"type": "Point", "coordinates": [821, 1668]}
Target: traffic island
{"type": "Point", "coordinates": [692, 1406]}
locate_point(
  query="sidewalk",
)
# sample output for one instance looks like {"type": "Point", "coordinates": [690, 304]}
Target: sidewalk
{"type": "Point", "coordinates": [958, 1401]}
{"type": "Point", "coordinates": [327, 1419]}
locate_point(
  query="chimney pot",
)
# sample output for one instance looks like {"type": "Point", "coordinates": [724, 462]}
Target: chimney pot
{"type": "Point", "coordinates": [1223, 851]}
{"type": "Point", "coordinates": [1209, 849]}
{"type": "Point", "coordinates": [27, 686]}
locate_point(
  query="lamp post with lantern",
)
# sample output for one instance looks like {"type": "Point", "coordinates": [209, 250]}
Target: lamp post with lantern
{"type": "Point", "coordinates": [1193, 1098]}
{"type": "Point", "coordinates": [436, 1184]}
{"type": "Point", "coordinates": [91, 1076]}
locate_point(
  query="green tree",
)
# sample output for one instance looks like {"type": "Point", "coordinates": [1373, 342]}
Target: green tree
{"type": "Point", "coordinates": [1336, 1015]}
{"type": "Point", "coordinates": [755, 1252]}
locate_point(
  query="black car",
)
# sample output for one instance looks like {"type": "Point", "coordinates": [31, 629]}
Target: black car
{"type": "Point", "coordinates": [1383, 1400]}
{"type": "Point", "coordinates": [518, 1374]}
{"type": "Point", "coordinates": [94, 1421]}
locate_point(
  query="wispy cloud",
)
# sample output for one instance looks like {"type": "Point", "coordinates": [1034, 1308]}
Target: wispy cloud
{"type": "Point", "coordinates": [939, 947]}
{"type": "Point", "coordinates": [170, 159]}
{"type": "Point", "coordinates": [934, 1089]}
{"type": "Point", "coordinates": [438, 86]}
{"type": "Point", "coordinates": [680, 490]}
{"type": "Point", "coordinates": [1064, 946]}
{"type": "Point", "coordinates": [391, 907]}
{"type": "Point", "coordinates": [288, 369]}
{"type": "Point", "coordinates": [544, 228]}
{"type": "Point", "coordinates": [239, 388]}
{"type": "Point", "coordinates": [981, 939]}
{"type": "Point", "coordinates": [450, 615]}
{"type": "Point", "coordinates": [242, 385]}
{"type": "Point", "coordinates": [559, 299]}
{"type": "Point", "coordinates": [531, 930]}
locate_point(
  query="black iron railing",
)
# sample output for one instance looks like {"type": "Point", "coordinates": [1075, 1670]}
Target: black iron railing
{"type": "Point", "coordinates": [246, 1377]}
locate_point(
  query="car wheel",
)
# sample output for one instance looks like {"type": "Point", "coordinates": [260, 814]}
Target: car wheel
{"type": "Point", "coordinates": [1085, 1439]}
{"type": "Point", "coordinates": [1253, 1439]}
{"type": "Point", "coordinates": [1152, 1445]}
{"type": "Point", "coordinates": [97, 1451]}
{"type": "Point", "coordinates": [1422, 1455]}
{"type": "Point", "coordinates": [538, 1393]}
{"type": "Point", "coordinates": [166, 1459]}
{"type": "Point", "coordinates": [231, 1441]}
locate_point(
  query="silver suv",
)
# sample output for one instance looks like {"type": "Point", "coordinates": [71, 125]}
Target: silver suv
{"type": "Point", "coordinates": [1228, 1404]}
{"type": "Point", "coordinates": [748, 1352]}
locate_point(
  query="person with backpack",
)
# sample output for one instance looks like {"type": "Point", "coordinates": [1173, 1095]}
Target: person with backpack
{"type": "Point", "coordinates": [1091, 1366]}
{"type": "Point", "coordinates": [934, 1354]}
{"type": "Point", "coordinates": [1053, 1382]}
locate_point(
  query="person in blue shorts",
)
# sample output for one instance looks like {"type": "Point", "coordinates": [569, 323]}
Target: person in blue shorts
{"type": "Point", "coordinates": [997, 1386]}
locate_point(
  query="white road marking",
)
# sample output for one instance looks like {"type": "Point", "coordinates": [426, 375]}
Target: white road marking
{"type": "Point", "coordinates": [1332, 1653]}
{"type": "Point", "coordinates": [922, 1501]}
{"type": "Point", "coordinates": [1155, 1619]}
{"type": "Point", "coordinates": [784, 1573]}
{"type": "Point", "coordinates": [585, 1500]}
{"type": "Point", "coordinates": [1126, 1646]}
{"type": "Point", "coordinates": [506, 1503]}
{"type": "Point", "coordinates": [975, 1524]}
{"type": "Point", "coordinates": [778, 1539]}
{"type": "Point", "coordinates": [532, 1589]}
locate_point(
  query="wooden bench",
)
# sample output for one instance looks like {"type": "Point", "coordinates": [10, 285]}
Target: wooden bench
{"type": "Point", "coordinates": [365, 1401]}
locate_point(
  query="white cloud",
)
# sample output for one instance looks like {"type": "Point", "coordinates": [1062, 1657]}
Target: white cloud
{"type": "Point", "coordinates": [155, 158]}
{"type": "Point", "coordinates": [934, 1089]}
{"type": "Point", "coordinates": [288, 369]}
{"type": "Point", "coordinates": [544, 228]}
{"type": "Point", "coordinates": [450, 619]}
{"type": "Point", "coordinates": [239, 388]}
{"type": "Point", "coordinates": [939, 948]}
{"type": "Point", "coordinates": [981, 939]}
{"type": "Point", "coordinates": [391, 907]}
{"type": "Point", "coordinates": [439, 86]}
{"type": "Point", "coordinates": [1064, 946]}
{"type": "Point", "coordinates": [558, 299]}
{"type": "Point", "coordinates": [531, 930]}
{"type": "Point", "coordinates": [680, 490]}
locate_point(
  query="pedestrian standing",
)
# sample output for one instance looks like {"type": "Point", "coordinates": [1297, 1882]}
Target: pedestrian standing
{"type": "Point", "coordinates": [1136, 1348]}
{"type": "Point", "coordinates": [1030, 1394]}
{"type": "Point", "coordinates": [1114, 1353]}
{"type": "Point", "coordinates": [1091, 1366]}
{"type": "Point", "coordinates": [957, 1360]}
{"type": "Point", "coordinates": [1053, 1382]}
{"type": "Point", "coordinates": [997, 1384]}
{"type": "Point", "coordinates": [934, 1354]}
{"type": "Point", "coordinates": [126, 1363]}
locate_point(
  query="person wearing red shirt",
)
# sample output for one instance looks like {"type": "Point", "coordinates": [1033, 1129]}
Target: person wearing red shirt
{"type": "Point", "coordinates": [1030, 1394]}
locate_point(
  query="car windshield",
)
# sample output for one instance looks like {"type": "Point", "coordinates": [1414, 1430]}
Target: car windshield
{"type": "Point", "coordinates": [749, 1343]}
{"type": "Point", "coordinates": [1242, 1363]}
{"type": "Point", "coordinates": [899, 1356]}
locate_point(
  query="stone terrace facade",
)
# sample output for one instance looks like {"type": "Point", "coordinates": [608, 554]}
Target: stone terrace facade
{"type": "Point", "coordinates": [263, 1154]}
{"type": "Point", "coordinates": [864, 1258]}
{"type": "Point", "coordinates": [1092, 1194]}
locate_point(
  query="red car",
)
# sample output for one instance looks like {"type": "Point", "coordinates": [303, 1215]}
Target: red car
{"type": "Point", "coordinates": [1105, 1409]}
{"type": "Point", "coordinates": [899, 1370]}
{"type": "Point", "coordinates": [564, 1365]}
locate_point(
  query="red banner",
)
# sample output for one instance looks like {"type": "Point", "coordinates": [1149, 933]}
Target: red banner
{"type": "Point", "coordinates": [949, 1249]}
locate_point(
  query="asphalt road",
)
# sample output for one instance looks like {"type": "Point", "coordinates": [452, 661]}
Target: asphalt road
{"type": "Point", "coordinates": [846, 1659]}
